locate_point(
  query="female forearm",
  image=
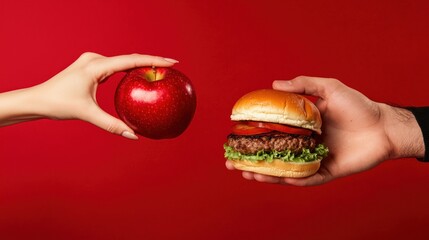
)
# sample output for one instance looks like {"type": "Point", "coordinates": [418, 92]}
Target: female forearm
{"type": "Point", "coordinates": [19, 106]}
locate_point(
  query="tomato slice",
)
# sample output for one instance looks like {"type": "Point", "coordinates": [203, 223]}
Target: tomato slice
{"type": "Point", "coordinates": [280, 128]}
{"type": "Point", "coordinates": [244, 129]}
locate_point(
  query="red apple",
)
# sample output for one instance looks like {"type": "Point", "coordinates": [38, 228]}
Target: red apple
{"type": "Point", "coordinates": [156, 102]}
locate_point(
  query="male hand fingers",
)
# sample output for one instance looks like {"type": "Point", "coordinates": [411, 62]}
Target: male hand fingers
{"type": "Point", "coordinates": [314, 86]}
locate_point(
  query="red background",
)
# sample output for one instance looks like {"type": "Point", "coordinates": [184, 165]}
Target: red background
{"type": "Point", "coordinates": [71, 180]}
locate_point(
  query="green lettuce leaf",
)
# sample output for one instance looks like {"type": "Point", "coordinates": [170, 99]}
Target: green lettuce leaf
{"type": "Point", "coordinates": [319, 152]}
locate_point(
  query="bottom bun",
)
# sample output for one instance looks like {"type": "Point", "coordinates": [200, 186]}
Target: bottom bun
{"type": "Point", "coordinates": [278, 168]}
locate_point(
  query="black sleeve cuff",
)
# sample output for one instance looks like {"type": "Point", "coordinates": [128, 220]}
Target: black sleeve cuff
{"type": "Point", "coordinates": [422, 116]}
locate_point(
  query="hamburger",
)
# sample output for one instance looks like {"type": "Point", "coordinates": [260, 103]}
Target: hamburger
{"type": "Point", "coordinates": [275, 133]}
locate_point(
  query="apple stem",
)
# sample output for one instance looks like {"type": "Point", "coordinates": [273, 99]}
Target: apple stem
{"type": "Point", "coordinates": [154, 72]}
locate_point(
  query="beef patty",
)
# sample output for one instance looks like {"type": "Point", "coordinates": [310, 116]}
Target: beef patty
{"type": "Point", "coordinates": [271, 141]}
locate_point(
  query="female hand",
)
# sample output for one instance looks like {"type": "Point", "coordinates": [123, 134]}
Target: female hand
{"type": "Point", "coordinates": [71, 94]}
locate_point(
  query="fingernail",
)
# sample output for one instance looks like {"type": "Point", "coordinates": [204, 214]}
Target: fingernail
{"type": "Point", "coordinates": [277, 84]}
{"type": "Point", "coordinates": [129, 135]}
{"type": "Point", "coordinates": [284, 82]}
{"type": "Point", "coordinates": [171, 60]}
